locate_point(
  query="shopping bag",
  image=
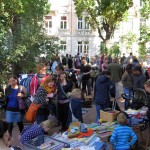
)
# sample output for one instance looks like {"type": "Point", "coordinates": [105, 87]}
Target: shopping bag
{"type": "Point", "coordinates": [31, 112]}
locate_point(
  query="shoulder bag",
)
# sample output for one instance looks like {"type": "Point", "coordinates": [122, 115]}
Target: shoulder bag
{"type": "Point", "coordinates": [21, 102]}
{"type": "Point", "coordinates": [31, 112]}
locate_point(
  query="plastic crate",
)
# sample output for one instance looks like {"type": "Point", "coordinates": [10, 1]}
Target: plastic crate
{"type": "Point", "coordinates": [45, 143]}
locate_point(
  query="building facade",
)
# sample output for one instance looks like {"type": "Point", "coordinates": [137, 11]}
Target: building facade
{"type": "Point", "coordinates": [75, 34]}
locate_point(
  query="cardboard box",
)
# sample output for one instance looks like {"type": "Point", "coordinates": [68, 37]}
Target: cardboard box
{"type": "Point", "coordinates": [108, 116]}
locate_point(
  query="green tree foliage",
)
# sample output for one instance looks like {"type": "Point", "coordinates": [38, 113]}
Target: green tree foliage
{"type": "Point", "coordinates": [145, 11]}
{"type": "Point", "coordinates": [103, 15]}
{"type": "Point", "coordinates": [115, 50]}
{"type": "Point", "coordinates": [144, 38]}
{"type": "Point", "coordinates": [21, 34]}
{"type": "Point", "coordinates": [51, 47]}
{"type": "Point", "coordinates": [144, 30]}
{"type": "Point", "coordinates": [128, 40]}
{"type": "Point", "coordinates": [103, 49]}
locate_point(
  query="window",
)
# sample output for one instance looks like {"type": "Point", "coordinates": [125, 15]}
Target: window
{"type": "Point", "coordinates": [142, 22]}
{"type": "Point", "coordinates": [63, 22]}
{"type": "Point", "coordinates": [82, 24]}
{"type": "Point", "coordinates": [87, 26]}
{"type": "Point", "coordinates": [63, 45]}
{"type": "Point", "coordinates": [80, 47]}
{"type": "Point", "coordinates": [86, 47]}
{"type": "Point", "coordinates": [83, 47]}
{"type": "Point", "coordinates": [48, 23]}
{"type": "Point", "coordinates": [141, 3]}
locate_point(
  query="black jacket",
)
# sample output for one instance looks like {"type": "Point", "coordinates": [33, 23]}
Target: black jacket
{"type": "Point", "coordinates": [67, 88]}
{"type": "Point", "coordinates": [85, 69]}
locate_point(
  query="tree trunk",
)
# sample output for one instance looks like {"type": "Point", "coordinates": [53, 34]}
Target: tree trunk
{"type": "Point", "coordinates": [16, 30]}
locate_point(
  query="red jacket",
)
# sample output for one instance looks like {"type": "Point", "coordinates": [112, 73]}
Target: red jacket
{"type": "Point", "coordinates": [34, 84]}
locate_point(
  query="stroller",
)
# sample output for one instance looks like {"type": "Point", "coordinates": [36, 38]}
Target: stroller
{"type": "Point", "coordinates": [137, 100]}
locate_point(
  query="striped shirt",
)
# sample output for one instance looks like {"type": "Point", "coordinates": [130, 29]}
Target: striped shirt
{"type": "Point", "coordinates": [121, 138]}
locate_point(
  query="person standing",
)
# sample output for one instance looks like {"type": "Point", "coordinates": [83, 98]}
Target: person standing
{"type": "Point", "coordinates": [87, 58]}
{"type": "Point", "coordinates": [55, 64]}
{"type": "Point", "coordinates": [44, 92]}
{"type": "Point", "coordinates": [39, 78]}
{"type": "Point", "coordinates": [103, 89]}
{"type": "Point", "coordinates": [13, 94]}
{"type": "Point", "coordinates": [138, 78]}
{"type": "Point", "coordinates": [127, 81]}
{"type": "Point", "coordinates": [65, 60]}
{"type": "Point", "coordinates": [123, 137]}
{"type": "Point", "coordinates": [70, 62]}
{"type": "Point", "coordinates": [97, 61]}
{"type": "Point", "coordinates": [85, 70]}
{"type": "Point", "coordinates": [109, 59]}
{"type": "Point", "coordinates": [64, 86]}
{"type": "Point", "coordinates": [77, 62]}
{"type": "Point", "coordinates": [123, 59]}
{"type": "Point", "coordinates": [130, 58]}
{"type": "Point", "coordinates": [105, 64]}
{"type": "Point", "coordinates": [116, 74]}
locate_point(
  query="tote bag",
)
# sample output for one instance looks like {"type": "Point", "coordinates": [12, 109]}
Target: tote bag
{"type": "Point", "coordinates": [31, 112]}
{"type": "Point", "coordinates": [21, 102]}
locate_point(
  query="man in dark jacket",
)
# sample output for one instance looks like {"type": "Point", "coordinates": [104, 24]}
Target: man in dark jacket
{"type": "Point", "coordinates": [116, 74]}
{"type": "Point", "coordinates": [103, 89]}
{"type": "Point", "coordinates": [70, 62]}
{"type": "Point", "coordinates": [85, 70]}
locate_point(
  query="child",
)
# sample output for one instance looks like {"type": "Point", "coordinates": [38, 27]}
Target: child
{"type": "Point", "coordinates": [75, 106]}
{"type": "Point", "coordinates": [35, 130]}
{"type": "Point", "coordinates": [120, 138]}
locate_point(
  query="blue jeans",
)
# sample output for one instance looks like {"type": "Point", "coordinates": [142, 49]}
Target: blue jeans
{"type": "Point", "coordinates": [41, 118]}
{"type": "Point", "coordinates": [100, 107]}
{"type": "Point", "coordinates": [128, 95]}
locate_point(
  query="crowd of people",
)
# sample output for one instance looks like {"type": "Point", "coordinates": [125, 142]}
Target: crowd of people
{"type": "Point", "coordinates": [61, 87]}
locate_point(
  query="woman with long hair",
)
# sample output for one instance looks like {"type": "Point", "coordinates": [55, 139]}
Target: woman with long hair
{"type": "Point", "coordinates": [46, 90]}
{"type": "Point", "coordinates": [13, 94]}
{"type": "Point", "coordinates": [64, 87]}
